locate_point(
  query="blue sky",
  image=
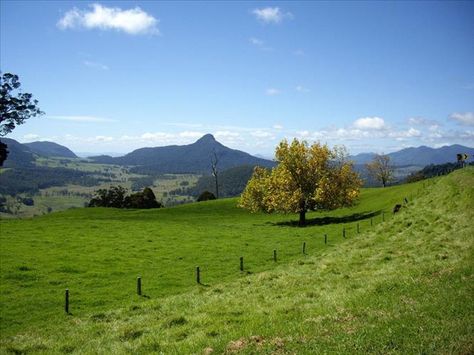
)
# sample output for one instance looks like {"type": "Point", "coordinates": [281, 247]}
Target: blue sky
{"type": "Point", "coordinates": [116, 76]}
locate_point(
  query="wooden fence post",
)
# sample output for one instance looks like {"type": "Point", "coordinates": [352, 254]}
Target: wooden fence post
{"type": "Point", "coordinates": [325, 239]}
{"type": "Point", "coordinates": [241, 263]}
{"type": "Point", "coordinates": [66, 301]}
{"type": "Point", "coordinates": [139, 286]}
{"type": "Point", "coordinates": [304, 248]}
{"type": "Point", "coordinates": [198, 275]}
{"type": "Point", "coordinates": [274, 255]}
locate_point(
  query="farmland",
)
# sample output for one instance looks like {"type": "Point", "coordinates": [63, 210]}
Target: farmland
{"type": "Point", "coordinates": [365, 292]}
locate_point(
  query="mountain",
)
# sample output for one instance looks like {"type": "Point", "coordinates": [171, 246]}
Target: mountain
{"type": "Point", "coordinates": [50, 149]}
{"type": "Point", "coordinates": [19, 155]}
{"type": "Point", "coordinates": [191, 158]}
{"type": "Point", "coordinates": [420, 156]}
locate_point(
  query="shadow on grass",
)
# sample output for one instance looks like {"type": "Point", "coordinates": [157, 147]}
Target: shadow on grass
{"type": "Point", "coordinates": [321, 221]}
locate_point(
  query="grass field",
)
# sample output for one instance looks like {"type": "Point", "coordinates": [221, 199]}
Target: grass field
{"type": "Point", "coordinates": [400, 286]}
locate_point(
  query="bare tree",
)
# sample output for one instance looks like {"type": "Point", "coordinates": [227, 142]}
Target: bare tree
{"type": "Point", "coordinates": [214, 162]}
{"type": "Point", "coordinates": [381, 169]}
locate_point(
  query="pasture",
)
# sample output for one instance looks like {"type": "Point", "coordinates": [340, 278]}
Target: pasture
{"type": "Point", "coordinates": [383, 289]}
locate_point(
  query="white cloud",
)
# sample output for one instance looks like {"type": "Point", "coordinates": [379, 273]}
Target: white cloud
{"type": "Point", "coordinates": [226, 134]}
{"type": "Point", "coordinates": [421, 121]}
{"type": "Point", "coordinates": [272, 92]}
{"type": "Point", "coordinates": [82, 118]}
{"type": "Point", "coordinates": [103, 139]}
{"type": "Point", "coordinates": [277, 126]}
{"type": "Point", "coordinates": [95, 65]}
{"type": "Point", "coordinates": [464, 119]}
{"type": "Point", "coordinates": [375, 123]}
{"type": "Point", "coordinates": [301, 88]}
{"type": "Point", "coordinates": [133, 21]}
{"type": "Point", "coordinates": [262, 134]}
{"type": "Point", "coordinates": [31, 137]}
{"type": "Point", "coordinates": [191, 134]}
{"type": "Point", "coordinates": [271, 15]}
{"type": "Point", "coordinates": [256, 41]}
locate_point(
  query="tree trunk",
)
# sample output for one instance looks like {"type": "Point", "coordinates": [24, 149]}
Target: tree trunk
{"type": "Point", "coordinates": [302, 221]}
{"type": "Point", "coordinates": [217, 186]}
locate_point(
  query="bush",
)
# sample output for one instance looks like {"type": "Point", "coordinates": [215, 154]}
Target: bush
{"type": "Point", "coordinates": [115, 197]}
{"type": "Point", "coordinates": [206, 196]}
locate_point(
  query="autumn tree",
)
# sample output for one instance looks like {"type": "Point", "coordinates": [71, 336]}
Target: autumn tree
{"type": "Point", "coordinates": [381, 169]}
{"type": "Point", "coordinates": [15, 108]}
{"type": "Point", "coordinates": [307, 177]}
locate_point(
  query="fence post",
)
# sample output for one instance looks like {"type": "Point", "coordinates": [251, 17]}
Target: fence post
{"type": "Point", "coordinates": [325, 239]}
{"type": "Point", "coordinates": [274, 255]}
{"type": "Point", "coordinates": [241, 263]}
{"type": "Point", "coordinates": [344, 232]}
{"type": "Point", "coordinates": [358, 229]}
{"type": "Point", "coordinates": [371, 222]}
{"type": "Point", "coordinates": [139, 286]}
{"type": "Point", "coordinates": [66, 301]}
{"type": "Point", "coordinates": [304, 248]}
{"type": "Point", "coordinates": [198, 275]}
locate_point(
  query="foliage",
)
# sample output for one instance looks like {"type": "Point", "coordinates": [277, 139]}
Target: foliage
{"type": "Point", "coordinates": [15, 107]}
{"type": "Point", "coordinates": [116, 197]}
{"type": "Point", "coordinates": [380, 169]}
{"type": "Point", "coordinates": [145, 199]}
{"type": "Point", "coordinates": [206, 196]}
{"type": "Point", "coordinates": [112, 197]}
{"type": "Point", "coordinates": [306, 178]}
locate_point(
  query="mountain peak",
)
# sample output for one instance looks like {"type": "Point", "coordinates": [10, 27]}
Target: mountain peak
{"type": "Point", "coordinates": [207, 138]}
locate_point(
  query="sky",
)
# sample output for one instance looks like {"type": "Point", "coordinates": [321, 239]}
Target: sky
{"type": "Point", "coordinates": [116, 76]}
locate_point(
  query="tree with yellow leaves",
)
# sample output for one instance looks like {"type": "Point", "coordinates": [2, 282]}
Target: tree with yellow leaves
{"type": "Point", "coordinates": [307, 177]}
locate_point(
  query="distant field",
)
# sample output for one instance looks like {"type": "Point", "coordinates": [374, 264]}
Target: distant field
{"type": "Point", "coordinates": [59, 198]}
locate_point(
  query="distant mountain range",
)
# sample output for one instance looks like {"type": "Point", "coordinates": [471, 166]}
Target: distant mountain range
{"type": "Point", "coordinates": [196, 157]}
{"type": "Point", "coordinates": [420, 156]}
{"type": "Point", "coordinates": [191, 158]}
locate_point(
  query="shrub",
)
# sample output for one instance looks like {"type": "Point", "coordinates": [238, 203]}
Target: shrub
{"type": "Point", "coordinates": [206, 196]}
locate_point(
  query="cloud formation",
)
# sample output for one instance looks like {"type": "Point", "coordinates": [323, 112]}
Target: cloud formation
{"type": "Point", "coordinates": [133, 21]}
{"type": "Point", "coordinates": [464, 119]}
{"type": "Point", "coordinates": [271, 15]}
{"type": "Point", "coordinates": [375, 123]}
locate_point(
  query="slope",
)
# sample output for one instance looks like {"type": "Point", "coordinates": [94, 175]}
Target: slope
{"type": "Point", "coordinates": [50, 149]}
{"type": "Point", "coordinates": [403, 286]}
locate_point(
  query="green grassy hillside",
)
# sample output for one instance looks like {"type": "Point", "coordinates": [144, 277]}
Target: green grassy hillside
{"type": "Point", "coordinates": [399, 286]}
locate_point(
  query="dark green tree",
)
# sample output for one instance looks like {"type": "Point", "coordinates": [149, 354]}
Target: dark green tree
{"type": "Point", "coordinates": [206, 196]}
{"type": "Point", "coordinates": [15, 108]}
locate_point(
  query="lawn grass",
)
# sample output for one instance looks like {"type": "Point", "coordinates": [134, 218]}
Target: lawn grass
{"type": "Point", "coordinates": [403, 286]}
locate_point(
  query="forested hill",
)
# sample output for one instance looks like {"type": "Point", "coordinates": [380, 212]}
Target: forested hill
{"type": "Point", "coordinates": [21, 155]}
{"type": "Point", "coordinates": [50, 149]}
{"type": "Point", "coordinates": [191, 158]}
